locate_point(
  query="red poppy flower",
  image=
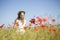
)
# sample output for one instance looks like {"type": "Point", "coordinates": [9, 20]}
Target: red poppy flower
{"type": "Point", "coordinates": [32, 21]}
{"type": "Point", "coordinates": [54, 30]}
{"type": "Point", "coordinates": [25, 28]}
{"type": "Point", "coordinates": [53, 20]}
{"type": "Point", "coordinates": [39, 19]}
{"type": "Point", "coordinates": [45, 19]}
{"type": "Point", "coordinates": [50, 29]}
{"type": "Point", "coordinates": [43, 26]}
{"type": "Point", "coordinates": [1, 26]}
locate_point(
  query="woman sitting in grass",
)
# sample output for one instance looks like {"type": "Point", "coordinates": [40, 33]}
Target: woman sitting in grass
{"type": "Point", "coordinates": [20, 22]}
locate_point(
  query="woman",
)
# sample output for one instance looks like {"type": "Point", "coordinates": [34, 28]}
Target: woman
{"type": "Point", "coordinates": [20, 22]}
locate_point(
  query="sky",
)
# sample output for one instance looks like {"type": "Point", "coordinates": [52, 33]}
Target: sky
{"type": "Point", "coordinates": [10, 8]}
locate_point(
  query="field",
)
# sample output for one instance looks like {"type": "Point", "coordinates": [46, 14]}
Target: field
{"type": "Point", "coordinates": [38, 32]}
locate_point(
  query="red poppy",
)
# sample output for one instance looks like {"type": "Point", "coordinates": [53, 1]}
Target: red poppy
{"type": "Point", "coordinates": [32, 21]}
{"type": "Point", "coordinates": [45, 19]}
{"type": "Point", "coordinates": [50, 29]}
{"type": "Point", "coordinates": [53, 20]}
{"type": "Point", "coordinates": [1, 26]}
{"type": "Point", "coordinates": [39, 19]}
{"type": "Point", "coordinates": [43, 26]}
{"type": "Point", "coordinates": [25, 28]}
{"type": "Point", "coordinates": [54, 30]}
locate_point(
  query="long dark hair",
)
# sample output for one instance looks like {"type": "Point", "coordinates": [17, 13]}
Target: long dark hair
{"type": "Point", "coordinates": [19, 13]}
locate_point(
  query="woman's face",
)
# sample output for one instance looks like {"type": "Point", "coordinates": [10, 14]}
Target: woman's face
{"type": "Point", "coordinates": [22, 15]}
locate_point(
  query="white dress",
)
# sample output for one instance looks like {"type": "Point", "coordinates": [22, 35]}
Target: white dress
{"type": "Point", "coordinates": [21, 26]}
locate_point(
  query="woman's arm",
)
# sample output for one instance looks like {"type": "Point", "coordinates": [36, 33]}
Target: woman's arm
{"type": "Point", "coordinates": [15, 23]}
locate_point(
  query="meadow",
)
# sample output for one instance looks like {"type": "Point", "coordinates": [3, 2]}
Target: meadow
{"type": "Point", "coordinates": [40, 31]}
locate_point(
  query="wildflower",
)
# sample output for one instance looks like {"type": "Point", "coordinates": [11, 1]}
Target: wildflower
{"type": "Point", "coordinates": [50, 28]}
{"type": "Point", "coordinates": [1, 26]}
{"type": "Point", "coordinates": [43, 26]}
{"type": "Point", "coordinates": [53, 20]}
{"type": "Point", "coordinates": [45, 19]}
{"type": "Point", "coordinates": [54, 30]}
{"type": "Point", "coordinates": [39, 19]}
{"type": "Point", "coordinates": [32, 21]}
{"type": "Point", "coordinates": [25, 27]}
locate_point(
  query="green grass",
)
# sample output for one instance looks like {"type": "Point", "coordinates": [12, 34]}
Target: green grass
{"type": "Point", "coordinates": [11, 34]}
